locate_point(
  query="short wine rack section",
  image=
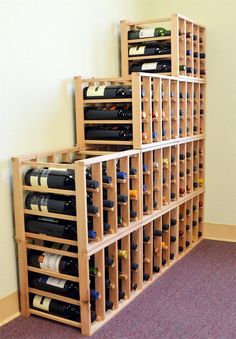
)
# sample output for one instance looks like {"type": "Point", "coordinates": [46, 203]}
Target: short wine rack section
{"type": "Point", "coordinates": [179, 45]}
{"type": "Point", "coordinates": [163, 109]}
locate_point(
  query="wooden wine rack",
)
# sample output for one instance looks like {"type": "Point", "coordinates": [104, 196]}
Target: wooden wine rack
{"type": "Point", "coordinates": [169, 183]}
{"type": "Point", "coordinates": [168, 124]}
{"type": "Point", "coordinates": [179, 40]}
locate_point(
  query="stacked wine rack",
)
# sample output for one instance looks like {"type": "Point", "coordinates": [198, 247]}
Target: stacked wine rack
{"type": "Point", "coordinates": [135, 203]}
{"type": "Point", "coordinates": [178, 49]}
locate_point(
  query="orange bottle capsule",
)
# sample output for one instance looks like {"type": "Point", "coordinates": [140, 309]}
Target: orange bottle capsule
{"type": "Point", "coordinates": [133, 193]}
{"type": "Point", "coordinates": [155, 114]}
{"type": "Point", "coordinates": [144, 136]}
{"type": "Point", "coordinates": [164, 245]}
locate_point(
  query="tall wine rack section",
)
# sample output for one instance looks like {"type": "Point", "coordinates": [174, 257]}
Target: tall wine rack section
{"type": "Point", "coordinates": [146, 210]}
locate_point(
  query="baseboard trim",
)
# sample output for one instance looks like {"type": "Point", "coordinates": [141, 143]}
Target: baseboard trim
{"type": "Point", "coordinates": [9, 307]}
{"type": "Point", "coordinates": [220, 232]}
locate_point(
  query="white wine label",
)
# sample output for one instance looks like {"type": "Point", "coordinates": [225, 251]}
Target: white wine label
{"type": "Point", "coordinates": [34, 180]}
{"type": "Point", "coordinates": [44, 181]}
{"type": "Point", "coordinates": [50, 261]}
{"type": "Point", "coordinates": [148, 66]}
{"type": "Point", "coordinates": [34, 207]}
{"type": "Point", "coordinates": [41, 302]}
{"type": "Point", "coordinates": [147, 32]}
{"type": "Point", "coordinates": [96, 91]}
{"type": "Point", "coordinates": [137, 50]}
{"type": "Point", "coordinates": [44, 204]}
{"type": "Point", "coordinates": [56, 282]}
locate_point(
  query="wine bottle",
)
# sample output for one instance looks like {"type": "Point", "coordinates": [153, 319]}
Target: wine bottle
{"type": "Point", "coordinates": [59, 286]}
{"type": "Point", "coordinates": [113, 132]}
{"type": "Point", "coordinates": [181, 191]}
{"type": "Point", "coordinates": [172, 238]}
{"type": "Point", "coordinates": [133, 246]}
{"type": "Point", "coordinates": [194, 208]}
{"type": "Point", "coordinates": [156, 269]}
{"type": "Point", "coordinates": [121, 295]}
{"type": "Point", "coordinates": [187, 243]}
{"type": "Point", "coordinates": [148, 33]}
{"type": "Point", "coordinates": [173, 222]}
{"type": "Point", "coordinates": [187, 227]}
{"type": "Point", "coordinates": [53, 203]}
{"type": "Point", "coordinates": [164, 245]}
{"type": "Point", "coordinates": [163, 262]}
{"type": "Point", "coordinates": [181, 248]}
{"type": "Point", "coordinates": [152, 67]}
{"type": "Point", "coordinates": [109, 262]}
{"type": "Point", "coordinates": [51, 178]}
{"type": "Point", "coordinates": [151, 49]}
{"type": "Point", "coordinates": [53, 262]}
{"type": "Point", "coordinates": [181, 174]}
{"type": "Point", "coordinates": [188, 171]}
{"type": "Point", "coordinates": [146, 238]}
{"type": "Point", "coordinates": [134, 266]}
{"type": "Point", "coordinates": [181, 217]}
{"type": "Point", "coordinates": [103, 92]}
{"type": "Point", "coordinates": [58, 308]}
{"type": "Point", "coordinates": [134, 286]}
{"type": "Point", "coordinates": [188, 212]}
{"type": "Point", "coordinates": [146, 276]}
{"type": "Point", "coordinates": [52, 227]}
{"type": "Point", "coordinates": [108, 113]}
{"type": "Point", "coordinates": [195, 55]}
{"type": "Point", "coordinates": [157, 233]}
{"type": "Point", "coordinates": [199, 234]}
{"type": "Point", "coordinates": [181, 156]}
{"type": "Point", "coordinates": [194, 223]}
{"type": "Point", "coordinates": [181, 233]}
{"type": "Point", "coordinates": [172, 255]}
{"type": "Point", "coordinates": [122, 254]}
{"type": "Point", "coordinates": [165, 227]}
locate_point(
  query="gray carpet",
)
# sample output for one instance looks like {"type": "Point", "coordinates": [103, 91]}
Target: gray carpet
{"type": "Point", "coordinates": [194, 299]}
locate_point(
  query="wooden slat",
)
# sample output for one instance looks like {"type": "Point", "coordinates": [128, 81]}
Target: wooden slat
{"type": "Point", "coordinates": [53, 274]}
{"type": "Point", "coordinates": [54, 296]}
{"type": "Point", "coordinates": [55, 318]}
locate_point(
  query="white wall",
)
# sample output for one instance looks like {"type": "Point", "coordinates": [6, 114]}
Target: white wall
{"type": "Point", "coordinates": [44, 44]}
{"type": "Point", "coordinates": [219, 17]}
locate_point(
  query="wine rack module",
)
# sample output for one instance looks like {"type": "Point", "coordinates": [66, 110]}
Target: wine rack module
{"type": "Point", "coordinates": [137, 202]}
{"type": "Point", "coordinates": [185, 38]}
{"type": "Point", "coordinates": [148, 168]}
{"type": "Point", "coordinates": [164, 109]}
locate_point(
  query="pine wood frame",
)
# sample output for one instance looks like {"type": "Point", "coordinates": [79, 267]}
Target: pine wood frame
{"type": "Point", "coordinates": [179, 44]}
{"type": "Point", "coordinates": [163, 106]}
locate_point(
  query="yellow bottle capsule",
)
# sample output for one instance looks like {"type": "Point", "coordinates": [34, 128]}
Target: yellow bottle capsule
{"type": "Point", "coordinates": [122, 254]}
{"type": "Point", "coordinates": [133, 193]}
{"type": "Point", "coordinates": [165, 161]}
{"type": "Point", "coordinates": [201, 181]}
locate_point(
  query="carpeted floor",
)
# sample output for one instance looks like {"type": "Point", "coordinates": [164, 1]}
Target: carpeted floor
{"type": "Point", "coordinates": [194, 299]}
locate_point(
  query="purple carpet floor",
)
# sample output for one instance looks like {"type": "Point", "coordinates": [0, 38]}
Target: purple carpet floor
{"type": "Point", "coordinates": [196, 298]}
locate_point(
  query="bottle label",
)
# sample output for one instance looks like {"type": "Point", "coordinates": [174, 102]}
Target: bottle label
{"type": "Point", "coordinates": [96, 91]}
{"type": "Point", "coordinates": [44, 204]}
{"type": "Point", "coordinates": [137, 50]}
{"type": "Point", "coordinates": [44, 178]}
{"type": "Point", "coordinates": [34, 180]}
{"type": "Point", "coordinates": [56, 282]}
{"type": "Point", "coordinates": [147, 32]}
{"type": "Point", "coordinates": [41, 302]}
{"type": "Point", "coordinates": [49, 261]}
{"type": "Point", "coordinates": [148, 66]}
